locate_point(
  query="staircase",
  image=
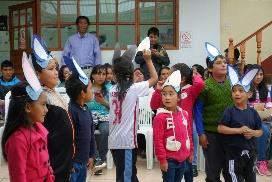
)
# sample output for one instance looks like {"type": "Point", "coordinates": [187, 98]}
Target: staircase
{"type": "Point", "coordinates": [266, 63]}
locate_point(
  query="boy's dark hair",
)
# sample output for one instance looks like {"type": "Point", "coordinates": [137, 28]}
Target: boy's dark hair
{"type": "Point", "coordinates": [17, 116]}
{"type": "Point", "coordinates": [263, 90]}
{"type": "Point", "coordinates": [185, 72]}
{"type": "Point", "coordinates": [210, 62]}
{"type": "Point", "coordinates": [6, 64]}
{"type": "Point", "coordinates": [153, 30]}
{"type": "Point", "coordinates": [163, 68]}
{"type": "Point", "coordinates": [82, 18]}
{"type": "Point", "coordinates": [199, 69]}
{"type": "Point", "coordinates": [236, 53]}
{"type": "Point", "coordinates": [74, 87]}
{"type": "Point", "coordinates": [123, 71]}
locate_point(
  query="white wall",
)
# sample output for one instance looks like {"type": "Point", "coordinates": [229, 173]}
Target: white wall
{"type": "Point", "coordinates": [202, 19]}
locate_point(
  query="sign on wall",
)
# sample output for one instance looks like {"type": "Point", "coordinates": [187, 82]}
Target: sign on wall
{"type": "Point", "coordinates": [4, 23]}
{"type": "Point", "coordinates": [185, 38]}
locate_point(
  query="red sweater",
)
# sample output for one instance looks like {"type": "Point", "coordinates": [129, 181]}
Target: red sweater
{"type": "Point", "coordinates": [164, 123]}
{"type": "Point", "coordinates": [189, 94]}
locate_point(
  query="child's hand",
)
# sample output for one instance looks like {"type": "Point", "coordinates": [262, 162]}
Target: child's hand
{"type": "Point", "coordinates": [243, 129]}
{"type": "Point", "coordinates": [155, 52]}
{"type": "Point", "coordinates": [147, 55]}
{"type": "Point", "coordinates": [249, 133]}
{"type": "Point", "coordinates": [203, 141]}
{"type": "Point", "coordinates": [164, 166]}
{"type": "Point", "coordinates": [99, 98]}
{"type": "Point", "coordinates": [160, 84]}
{"type": "Point", "coordinates": [90, 163]}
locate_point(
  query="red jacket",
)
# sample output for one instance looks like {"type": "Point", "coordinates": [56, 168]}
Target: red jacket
{"type": "Point", "coordinates": [189, 94]}
{"type": "Point", "coordinates": [27, 155]}
{"type": "Point", "coordinates": [164, 125]}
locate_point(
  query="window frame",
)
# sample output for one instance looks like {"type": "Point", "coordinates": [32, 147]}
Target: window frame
{"type": "Point", "coordinates": [136, 22]}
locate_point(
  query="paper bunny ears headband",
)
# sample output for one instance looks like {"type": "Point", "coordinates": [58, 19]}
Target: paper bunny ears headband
{"type": "Point", "coordinates": [40, 51]}
{"type": "Point", "coordinates": [76, 70]}
{"type": "Point", "coordinates": [34, 89]}
{"type": "Point", "coordinates": [173, 80]}
{"type": "Point", "coordinates": [245, 81]}
{"type": "Point", "coordinates": [212, 51]}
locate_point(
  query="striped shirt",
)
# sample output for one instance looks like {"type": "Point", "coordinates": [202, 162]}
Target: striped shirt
{"type": "Point", "coordinates": [122, 118]}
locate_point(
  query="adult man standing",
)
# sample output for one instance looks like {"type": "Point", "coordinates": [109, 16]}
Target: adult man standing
{"type": "Point", "coordinates": [83, 46]}
{"type": "Point", "coordinates": [158, 53]}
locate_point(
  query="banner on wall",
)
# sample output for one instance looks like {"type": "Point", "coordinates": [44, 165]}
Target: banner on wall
{"type": "Point", "coordinates": [4, 23]}
{"type": "Point", "coordinates": [185, 38]}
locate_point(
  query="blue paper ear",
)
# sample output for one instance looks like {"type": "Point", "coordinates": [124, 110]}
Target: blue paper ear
{"type": "Point", "coordinates": [40, 51]}
{"type": "Point", "coordinates": [76, 70]}
{"type": "Point", "coordinates": [212, 51]}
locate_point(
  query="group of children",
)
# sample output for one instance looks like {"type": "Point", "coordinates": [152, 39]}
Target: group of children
{"type": "Point", "coordinates": [47, 139]}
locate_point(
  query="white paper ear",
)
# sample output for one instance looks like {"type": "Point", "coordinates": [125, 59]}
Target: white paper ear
{"type": "Point", "coordinates": [249, 76]}
{"type": "Point", "coordinates": [40, 50]}
{"type": "Point", "coordinates": [233, 75]}
{"type": "Point", "coordinates": [30, 74]}
{"type": "Point", "coordinates": [82, 76]}
{"type": "Point", "coordinates": [211, 50]}
{"type": "Point", "coordinates": [144, 45]}
{"type": "Point", "coordinates": [173, 80]}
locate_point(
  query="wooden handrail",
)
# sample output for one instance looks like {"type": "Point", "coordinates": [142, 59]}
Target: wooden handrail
{"type": "Point", "coordinates": [254, 34]}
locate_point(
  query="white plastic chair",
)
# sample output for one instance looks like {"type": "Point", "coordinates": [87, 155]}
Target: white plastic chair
{"type": "Point", "coordinates": [145, 127]}
{"type": "Point", "coordinates": [7, 100]}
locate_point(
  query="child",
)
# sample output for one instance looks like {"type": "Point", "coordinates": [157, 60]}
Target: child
{"type": "Point", "coordinates": [99, 107]}
{"type": "Point", "coordinates": [24, 140]}
{"type": "Point", "coordinates": [64, 74]}
{"type": "Point", "coordinates": [8, 79]}
{"type": "Point", "coordinates": [259, 101]}
{"type": "Point", "coordinates": [171, 134]}
{"type": "Point", "coordinates": [214, 99]}
{"type": "Point", "coordinates": [138, 75]}
{"type": "Point", "coordinates": [79, 89]}
{"type": "Point", "coordinates": [109, 73]}
{"type": "Point", "coordinates": [57, 121]}
{"type": "Point", "coordinates": [123, 104]}
{"type": "Point", "coordinates": [240, 126]}
{"type": "Point", "coordinates": [188, 94]}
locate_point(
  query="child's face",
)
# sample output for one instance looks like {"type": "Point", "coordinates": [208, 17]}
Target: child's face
{"type": "Point", "coordinates": [49, 76]}
{"type": "Point", "coordinates": [164, 74]}
{"type": "Point", "coordinates": [259, 77]}
{"type": "Point", "coordinates": [100, 77]}
{"type": "Point", "coordinates": [88, 95]}
{"type": "Point", "coordinates": [66, 73]}
{"type": "Point", "coordinates": [219, 67]}
{"type": "Point", "coordinates": [7, 73]}
{"type": "Point", "coordinates": [239, 95]}
{"type": "Point", "coordinates": [138, 76]}
{"type": "Point", "coordinates": [153, 39]}
{"type": "Point", "coordinates": [169, 98]}
{"type": "Point", "coordinates": [37, 110]}
{"type": "Point", "coordinates": [109, 74]}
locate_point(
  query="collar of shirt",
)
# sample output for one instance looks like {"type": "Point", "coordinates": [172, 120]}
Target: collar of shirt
{"type": "Point", "coordinates": [84, 107]}
{"type": "Point", "coordinates": [84, 36]}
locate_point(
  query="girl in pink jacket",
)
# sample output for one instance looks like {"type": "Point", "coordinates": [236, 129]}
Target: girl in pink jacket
{"type": "Point", "coordinates": [172, 139]}
{"type": "Point", "coordinates": [24, 140]}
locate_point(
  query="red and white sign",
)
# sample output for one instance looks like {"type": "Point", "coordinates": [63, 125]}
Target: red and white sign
{"type": "Point", "coordinates": [185, 39]}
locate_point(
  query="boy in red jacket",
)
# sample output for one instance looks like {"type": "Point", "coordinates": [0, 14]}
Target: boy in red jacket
{"type": "Point", "coordinates": [171, 132]}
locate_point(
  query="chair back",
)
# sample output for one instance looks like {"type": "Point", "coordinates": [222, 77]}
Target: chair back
{"type": "Point", "coordinates": [145, 112]}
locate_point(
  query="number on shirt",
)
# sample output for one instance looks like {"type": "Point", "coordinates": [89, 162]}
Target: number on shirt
{"type": "Point", "coordinates": [117, 111]}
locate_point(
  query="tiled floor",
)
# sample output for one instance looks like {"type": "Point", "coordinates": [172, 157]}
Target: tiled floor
{"type": "Point", "coordinates": [144, 175]}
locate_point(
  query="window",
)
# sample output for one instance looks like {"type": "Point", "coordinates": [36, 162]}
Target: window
{"type": "Point", "coordinates": [123, 21]}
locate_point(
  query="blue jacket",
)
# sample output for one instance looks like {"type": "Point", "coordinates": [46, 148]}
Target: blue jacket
{"type": "Point", "coordinates": [5, 86]}
{"type": "Point", "coordinates": [84, 132]}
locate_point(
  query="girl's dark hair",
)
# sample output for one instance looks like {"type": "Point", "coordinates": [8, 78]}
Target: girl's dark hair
{"type": "Point", "coordinates": [263, 90]}
{"type": "Point", "coordinates": [74, 87]}
{"type": "Point", "coordinates": [17, 116]}
{"type": "Point", "coordinates": [61, 70]}
{"type": "Point", "coordinates": [185, 72]}
{"type": "Point", "coordinates": [210, 62]}
{"type": "Point", "coordinates": [199, 69]}
{"type": "Point", "coordinates": [123, 71]}
{"type": "Point", "coordinates": [163, 68]}
{"type": "Point", "coordinates": [96, 70]}
{"type": "Point", "coordinates": [140, 69]}
{"type": "Point", "coordinates": [107, 65]}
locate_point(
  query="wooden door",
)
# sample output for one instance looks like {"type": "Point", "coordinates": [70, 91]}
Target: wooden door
{"type": "Point", "coordinates": [22, 25]}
